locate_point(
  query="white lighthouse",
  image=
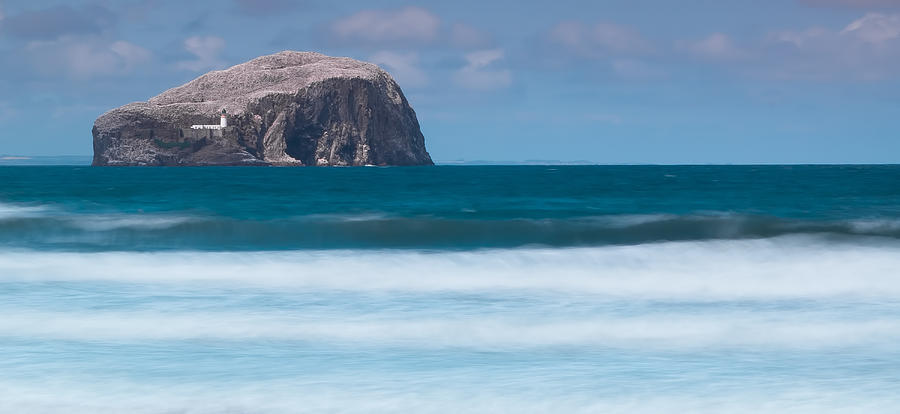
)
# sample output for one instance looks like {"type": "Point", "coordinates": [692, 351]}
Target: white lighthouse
{"type": "Point", "coordinates": [223, 123]}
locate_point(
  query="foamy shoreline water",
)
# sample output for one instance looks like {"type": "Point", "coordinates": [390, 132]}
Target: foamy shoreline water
{"type": "Point", "coordinates": [465, 289]}
{"type": "Point", "coordinates": [770, 268]}
{"type": "Point", "coordinates": [522, 330]}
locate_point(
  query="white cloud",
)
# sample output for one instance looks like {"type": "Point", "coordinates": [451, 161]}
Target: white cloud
{"type": "Point", "coordinates": [875, 28]}
{"type": "Point", "coordinates": [801, 38]}
{"type": "Point", "coordinates": [403, 66]}
{"type": "Point", "coordinates": [387, 27]}
{"type": "Point", "coordinates": [467, 37]}
{"type": "Point", "coordinates": [866, 49]}
{"type": "Point", "coordinates": [715, 46]}
{"type": "Point", "coordinates": [129, 53]}
{"type": "Point", "coordinates": [621, 49]}
{"type": "Point", "coordinates": [86, 57]}
{"type": "Point", "coordinates": [207, 51]}
{"type": "Point", "coordinates": [598, 40]}
{"type": "Point", "coordinates": [872, 29]}
{"type": "Point", "coordinates": [483, 58]}
{"type": "Point", "coordinates": [479, 74]}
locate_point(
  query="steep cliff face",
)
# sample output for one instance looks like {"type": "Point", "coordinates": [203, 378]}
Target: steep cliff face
{"type": "Point", "coordinates": [290, 108]}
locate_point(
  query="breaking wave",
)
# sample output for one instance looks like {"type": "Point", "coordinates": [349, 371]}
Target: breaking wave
{"type": "Point", "coordinates": [789, 324]}
{"type": "Point", "coordinates": [652, 332]}
{"type": "Point", "coordinates": [789, 267]}
{"type": "Point", "coordinates": [47, 228]}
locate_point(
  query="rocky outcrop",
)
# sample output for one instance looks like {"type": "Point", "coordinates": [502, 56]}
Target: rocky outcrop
{"type": "Point", "coordinates": [290, 108]}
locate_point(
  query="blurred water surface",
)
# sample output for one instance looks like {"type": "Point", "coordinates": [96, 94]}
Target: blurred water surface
{"type": "Point", "coordinates": [450, 289]}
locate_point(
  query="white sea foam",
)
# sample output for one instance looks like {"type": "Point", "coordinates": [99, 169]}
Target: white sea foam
{"type": "Point", "coordinates": [869, 226]}
{"type": "Point", "coordinates": [711, 270]}
{"type": "Point", "coordinates": [173, 333]}
{"type": "Point", "coordinates": [277, 398]}
{"type": "Point", "coordinates": [122, 221]}
{"type": "Point", "coordinates": [8, 210]}
{"type": "Point", "coordinates": [648, 332]}
{"type": "Point", "coordinates": [93, 222]}
{"type": "Point", "coordinates": [628, 220]}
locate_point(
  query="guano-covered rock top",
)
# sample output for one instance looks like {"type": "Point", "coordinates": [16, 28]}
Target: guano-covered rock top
{"type": "Point", "coordinates": [290, 108]}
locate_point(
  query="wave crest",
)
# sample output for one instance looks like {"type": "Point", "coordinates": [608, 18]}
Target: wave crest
{"type": "Point", "coordinates": [38, 227]}
{"type": "Point", "coordinates": [795, 267]}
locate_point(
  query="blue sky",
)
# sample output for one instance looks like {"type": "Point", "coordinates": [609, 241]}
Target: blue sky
{"type": "Point", "coordinates": [639, 81]}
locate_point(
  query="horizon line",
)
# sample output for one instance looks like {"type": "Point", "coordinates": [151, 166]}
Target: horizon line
{"type": "Point", "coordinates": [36, 160]}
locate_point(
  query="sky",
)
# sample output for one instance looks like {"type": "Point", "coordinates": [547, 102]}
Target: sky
{"type": "Point", "coordinates": [628, 81]}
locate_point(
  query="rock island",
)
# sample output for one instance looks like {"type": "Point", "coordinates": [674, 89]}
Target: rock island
{"type": "Point", "coordinates": [287, 109]}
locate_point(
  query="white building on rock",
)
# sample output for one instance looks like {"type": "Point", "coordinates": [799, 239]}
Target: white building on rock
{"type": "Point", "coordinates": [223, 122]}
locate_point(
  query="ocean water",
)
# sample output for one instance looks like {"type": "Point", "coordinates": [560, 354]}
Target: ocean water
{"type": "Point", "coordinates": [529, 289]}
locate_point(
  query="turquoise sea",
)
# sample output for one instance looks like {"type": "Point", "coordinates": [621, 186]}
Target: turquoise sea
{"type": "Point", "coordinates": [450, 289]}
